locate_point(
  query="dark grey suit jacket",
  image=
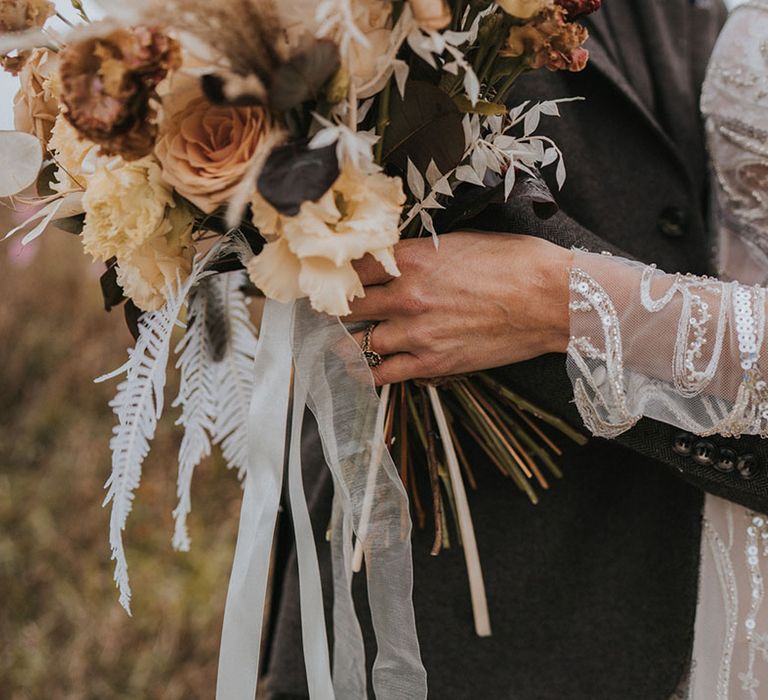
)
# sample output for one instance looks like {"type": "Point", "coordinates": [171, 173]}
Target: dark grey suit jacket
{"type": "Point", "coordinates": [592, 592]}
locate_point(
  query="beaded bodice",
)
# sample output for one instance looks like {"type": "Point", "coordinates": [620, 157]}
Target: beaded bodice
{"type": "Point", "coordinates": [735, 106]}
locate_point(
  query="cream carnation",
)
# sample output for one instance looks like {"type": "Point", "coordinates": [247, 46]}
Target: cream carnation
{"type": "Point", "coordinates": [36, 104]}
{"type": "Point", "coordinates": [75, 157]}
{"type": "Point", "coordinates": [148, 272]}
{"type": "Point", "coordinates": [311, 254]}
{"type": "Point", "coordinates": [124, 208]}
{"type": "Point", "coordinates": [205, 149]}
{"type": "Point", "coordinates": [524, 9]}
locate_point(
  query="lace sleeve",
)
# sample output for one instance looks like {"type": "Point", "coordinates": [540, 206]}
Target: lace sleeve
{"type": "Point", "coordinates": [681, 349]}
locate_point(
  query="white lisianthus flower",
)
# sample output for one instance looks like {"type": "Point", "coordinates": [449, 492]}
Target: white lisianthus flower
{"type": "Point", "coordinates": [148, 272]}
{"type": "Point", "coordinates": [524, 9]}
{"type": "Point", "coordinates": [362, 30]}
{"type": "Point", "coordinates": [370, 66]}
{"type": "Point", "coordinates": [124, 208]}
{"type": "Point", "coordinates": [311, 254]}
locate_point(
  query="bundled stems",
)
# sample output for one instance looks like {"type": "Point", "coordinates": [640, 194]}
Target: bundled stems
{"type": "Point", "coordinates": [434, 476]}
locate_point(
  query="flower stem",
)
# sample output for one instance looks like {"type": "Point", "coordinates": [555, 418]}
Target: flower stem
{"type": "Point", "coordinates": [506, 86]}
{"type": "Point", "coordinates": [383, 119]}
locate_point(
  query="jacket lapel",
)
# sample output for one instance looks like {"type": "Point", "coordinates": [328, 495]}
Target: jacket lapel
{"type": "Point", "coordinates": [601, 45]}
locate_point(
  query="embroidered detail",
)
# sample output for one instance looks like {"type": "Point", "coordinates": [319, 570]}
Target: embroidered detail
{"type": "Point", "coordinates": [720, 328]}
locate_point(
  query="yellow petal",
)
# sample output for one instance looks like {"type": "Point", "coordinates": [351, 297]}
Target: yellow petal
{"type": "Point", "coordinates": [329, 287]}
{"type": "Point", "coordinates": [386, 256]}
{"type": "Point", "coordinates": [275, 271]}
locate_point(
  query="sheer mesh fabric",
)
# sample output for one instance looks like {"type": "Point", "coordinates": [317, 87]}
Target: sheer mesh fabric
{"type": "Point", "coordinates": [692, 352]}
{"type": "Point", "coordinates": [677, 348]}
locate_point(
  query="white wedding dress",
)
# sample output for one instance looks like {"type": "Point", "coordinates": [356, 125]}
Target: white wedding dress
{"type": "Point", "coordinates": [693, 352]}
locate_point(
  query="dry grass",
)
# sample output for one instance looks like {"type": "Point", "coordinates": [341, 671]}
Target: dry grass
{"type": "Point", "coordinates": [62, 633]}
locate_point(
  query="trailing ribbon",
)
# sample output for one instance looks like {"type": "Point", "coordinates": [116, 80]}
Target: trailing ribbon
{"type": "Point", "coordinates": [331, 377]}
{"type": "Point", "coordinates": [246, 597]}
{"type": "Point", "coordinates": [342, 396]}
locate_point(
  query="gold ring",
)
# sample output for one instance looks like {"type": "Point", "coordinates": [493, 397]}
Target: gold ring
{"type": "Point", "coordinates": [371, 357]}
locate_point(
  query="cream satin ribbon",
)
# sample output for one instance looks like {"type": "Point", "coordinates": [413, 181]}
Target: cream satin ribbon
{"type": "Point", "coordinates": [246, 597]}
{"type": "Point", "coordinates": [331, 378]}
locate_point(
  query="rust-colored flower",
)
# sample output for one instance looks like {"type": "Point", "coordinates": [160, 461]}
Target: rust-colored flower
{"type": "Point", "coordinates": [576, 8]}
{"type": "Point", "coordinates": [431, 15]}
{"type": "Point", "coordinates": [549, 40]}
{"type": "Point", "coordinates": [18, 15]}
{"type": "Point", "coordinates": [108, 84]}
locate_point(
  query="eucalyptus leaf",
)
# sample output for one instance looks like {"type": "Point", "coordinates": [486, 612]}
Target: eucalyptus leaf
{"type": "Point", "coordinates": [22, 158]}
{"type": "Point", "coordinates": [132, 316]}
{"type": "Point", "coordinates": [45, 179]}
{"type": "Point", "coordinates": [426, 126]}
{"type": "Point", "coordinates": [110, 289]}
{"type": "Point", "coordinates": [295, 173]}
{"type": "Point", "coordinates": [70, 224]}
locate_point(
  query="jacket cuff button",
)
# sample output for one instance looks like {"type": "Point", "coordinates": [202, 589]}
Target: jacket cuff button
{"type": "Point", "coordinates": [726, 462]}
{"type": "Point", "coordinates": [683, 444]}
{"type": "Point", "coordinates": [704, 453]}
{"type": "Point", "coordinates": [747, 466]}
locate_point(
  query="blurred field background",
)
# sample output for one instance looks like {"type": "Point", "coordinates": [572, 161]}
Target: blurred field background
{"type": "Point", "coordinates": [62, 632]}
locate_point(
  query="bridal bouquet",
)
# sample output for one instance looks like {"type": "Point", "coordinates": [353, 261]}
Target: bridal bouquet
{"type": "Point", "coordinates": [208, 153]}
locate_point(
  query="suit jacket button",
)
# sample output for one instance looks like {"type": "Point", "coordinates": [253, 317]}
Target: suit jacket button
{"type": "Point", "coordinates": [747, 466]}
{"type": "Point", "coordinates": [726, 462]}
{"type": "Point", "coordinates": [683, 444]}
{"type": "Point", "coordinates": [673, 222]}
{"type": "Point", "coordinates": [704, 453]}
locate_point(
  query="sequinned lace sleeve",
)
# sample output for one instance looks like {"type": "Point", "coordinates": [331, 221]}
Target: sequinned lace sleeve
{"type": "Point", "coordinates": [685, 350]}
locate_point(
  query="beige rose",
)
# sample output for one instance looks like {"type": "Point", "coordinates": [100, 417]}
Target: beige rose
{"type": "Point", "coordinates": [431, 15]}
{"type": "Point", "coordinates": [524, 9]}
{"type": "Point", "coordinates": [205, 149]}
{"type": "Point", "coordinates": [125, 207]}
{"type": "Point", "coordinates": [36, 104]}
{"type": "Point", "coordinates": [370, 66]}
{"type": "Point", "coordinates": [148, 272]}
{"type": "Point", "coordinates": [311, 254]}
{"type": "Point", "coordinates": [17, 15]}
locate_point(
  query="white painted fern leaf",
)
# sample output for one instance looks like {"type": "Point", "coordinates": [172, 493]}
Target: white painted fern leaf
{"type": "Point", "coordinates": [197, 399]}
{"type": "Point", "coordinates": [235, 377]}
{"type": "Point", "coordinates": [138, 406]}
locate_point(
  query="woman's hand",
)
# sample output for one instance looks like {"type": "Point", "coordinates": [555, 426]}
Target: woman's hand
{"type": "Point", "coordinates": [478, 301]}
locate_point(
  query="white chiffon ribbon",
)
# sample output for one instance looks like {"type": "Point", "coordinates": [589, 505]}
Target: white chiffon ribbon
{"type": "Point", "coordinates": [331, 377]}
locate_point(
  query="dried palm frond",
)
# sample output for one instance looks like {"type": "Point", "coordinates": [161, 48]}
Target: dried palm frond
{"type": "Point", "coordinates": [246, 34]}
